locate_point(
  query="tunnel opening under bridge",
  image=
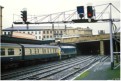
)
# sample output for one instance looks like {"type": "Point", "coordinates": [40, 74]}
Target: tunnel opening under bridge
{"type": "Point", "coordinates": [93, 48]}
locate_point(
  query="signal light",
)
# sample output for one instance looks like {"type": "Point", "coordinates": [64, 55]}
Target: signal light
{"type": "Point", "coordinates": [89, 11]}
{"type": "Point", "coordinates": [89, 14]}
{"type": "Point", "coordinates": [80, 11]}
{"type": "Point", "coordinates": [24, 16]}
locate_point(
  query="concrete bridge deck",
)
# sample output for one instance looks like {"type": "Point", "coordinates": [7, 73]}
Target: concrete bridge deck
{"type": "Point", "coordinates": [86, 38]}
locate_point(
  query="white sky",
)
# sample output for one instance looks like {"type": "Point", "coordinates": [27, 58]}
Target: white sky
{"type": "Point", "coordinates": [40, 7]}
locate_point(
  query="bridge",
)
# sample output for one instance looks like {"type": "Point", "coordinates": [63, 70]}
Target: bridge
{"type": "Point", "coordinates": [95, 44]}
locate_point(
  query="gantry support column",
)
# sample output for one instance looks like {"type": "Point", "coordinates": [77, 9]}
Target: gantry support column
{"type": "Point", "coordinates": [1, 20]}
{"type": "Point", "coordinates": [101, 47]}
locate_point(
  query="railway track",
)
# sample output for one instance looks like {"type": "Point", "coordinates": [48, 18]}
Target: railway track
{"type": "Point", "coordinates": [57, 70]}
{"type": "Point", "coordinates": [72, 74]}
{"type": "Point", "coordinates": [50, 71]}
{"type": "Point", "coordinates": [35, 68]}
{"type": "Point", "coordinates": [76, 71]}
{"type": "Point", "coordinates": [63, 75]}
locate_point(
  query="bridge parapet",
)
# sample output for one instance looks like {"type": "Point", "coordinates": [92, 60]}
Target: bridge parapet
{"type": "Point", "coordinates": [85, 38]}
{"type": "Point", "coordinates": [94, 37]}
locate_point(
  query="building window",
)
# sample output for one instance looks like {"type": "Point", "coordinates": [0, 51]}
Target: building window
{"type": "Point", "coordinates": [47, 32]}
{"type": "Point", "coordinates": [44, 37]}
{"type": "Point", "coordinates": [4, 33]}
{"type": "Point", "coordinates": [61, 32]}
{"type": "Point", "coordinates": [39, 32]}
{"type": "Point", "coordinates": [39, 37]}
{"type": "Point", "coordinates": [10, 51]}
{"type": "Point", "coordinates": [2, 51]}
{"type": "Point", "coordinates": [50, 36]}
{"type": "Point", "coordinates": [25, 31]}
{"type": "Point", "coordinates": [50, 31]}
{"type": "Point", "coordinates": [43, 32]}
{"type": "Point", "coordinates": [47, 36]}
{"type": "Point", "coordinates": [35, 32]}
{"type": "Point", "coordinates": [9, 33]}
{"type": "Point", "coordinates": [54, 32]}
{"type": "Point", "coordinates": [30, 32]}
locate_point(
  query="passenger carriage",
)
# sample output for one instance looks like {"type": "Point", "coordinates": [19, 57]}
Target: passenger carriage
{"type": "Point", "coordinates": [18, 54]}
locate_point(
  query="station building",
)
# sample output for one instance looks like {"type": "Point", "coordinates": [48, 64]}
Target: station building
{"type": "Point", "coordinates": [47, 33]}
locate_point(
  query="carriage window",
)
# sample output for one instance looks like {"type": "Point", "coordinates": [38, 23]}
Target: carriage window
{"type": "Point", "coordinates": [20, 51]}
{"type": "Point", "coordinates": [10, 51]}
{"type": "Point", "coordinates": [35, 50]}
{"type": "Point", "coordinates": [2, 51]}
{"type": "Point", "coordinates": [54, 50]}
{"type": "Point", "coordinates": [38, 50]}
{"type": "Point", "coordinates": [48, 51]}
{"type": "Point", "coordinates": [30, 51]}
{"type": "Point", "coordinates": [44, 51]}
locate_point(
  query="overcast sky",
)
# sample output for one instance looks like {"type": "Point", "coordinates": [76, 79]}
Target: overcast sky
{"type": "Point", "coordinates": [40, 7]}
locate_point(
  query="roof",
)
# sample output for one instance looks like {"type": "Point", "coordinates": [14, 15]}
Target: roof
{"type": "Point", "coordinates": [6, 39]}
{"type": "Point", "coordinates": [36, 28]}
{"type": "Point", "coordinates": [30, 28]}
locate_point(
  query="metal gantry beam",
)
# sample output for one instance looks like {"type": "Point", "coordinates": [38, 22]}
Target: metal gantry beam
{"type": "Point", "coordinates": [66, 17]}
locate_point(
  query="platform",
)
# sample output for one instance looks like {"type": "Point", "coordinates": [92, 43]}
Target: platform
{"type": "Point", "coordinates": [101, 71]}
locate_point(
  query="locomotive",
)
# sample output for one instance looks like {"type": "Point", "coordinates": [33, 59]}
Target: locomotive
{"type": "Point", "coordinates": [14, 55]}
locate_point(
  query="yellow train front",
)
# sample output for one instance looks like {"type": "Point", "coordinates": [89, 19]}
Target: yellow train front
{"type": "Point", "coordinates": [16, 55]}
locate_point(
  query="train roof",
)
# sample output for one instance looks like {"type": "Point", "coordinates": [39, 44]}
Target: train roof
{"type": "Point", "coordinates": [41, 46]}
{"type": "Point", "coordinates": [32, 45]}
{"type": "Point", "coordinates": [67, 46]}
{"type": "Point", "coordinates": [10, 45]}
